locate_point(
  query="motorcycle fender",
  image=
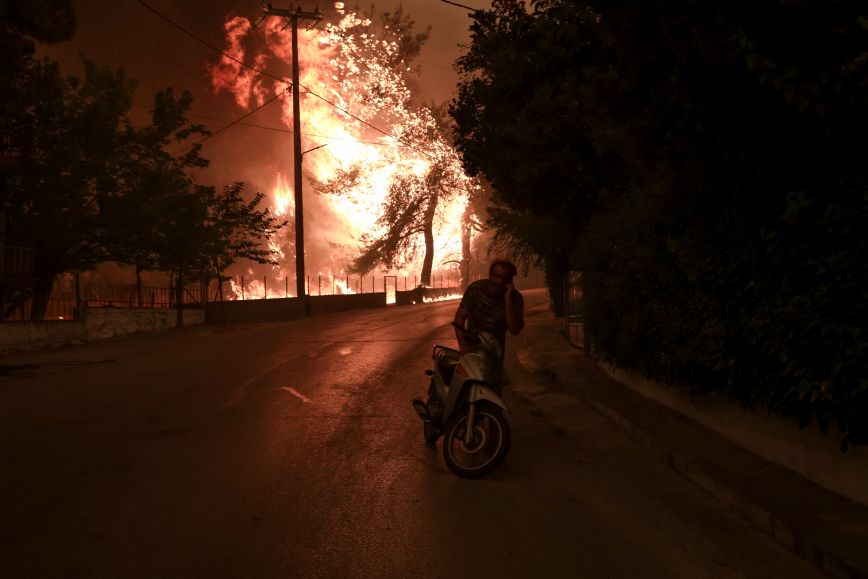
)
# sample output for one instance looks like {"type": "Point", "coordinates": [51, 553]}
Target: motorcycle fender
{"type": "Point", "coordinates": [469, 392]}
{"type": "Point", "coordinates": [479, 391]}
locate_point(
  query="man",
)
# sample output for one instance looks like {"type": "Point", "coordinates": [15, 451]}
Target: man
{"type": "Point", "coordinates": [491, 305]}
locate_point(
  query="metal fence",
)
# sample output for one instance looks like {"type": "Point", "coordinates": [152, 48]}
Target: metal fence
{"type": "Point", "coordinates": [68, 296]}
{"type": "Point", "coordinates": [574, 311]}
{"type": "Point", "coordinates": [16, 304]}
{"type": "Point", "coordinates": [252, 288]}
{"type": "Point", "coordinates": [16, 262]}
{"type": "Point", "coordinates": [133, 296]}
{"type": "Point", "coordinates": [14, 307]}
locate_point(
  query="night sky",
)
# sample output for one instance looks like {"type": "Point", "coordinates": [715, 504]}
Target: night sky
{"type": "Point", "coordinates": [124, 33]}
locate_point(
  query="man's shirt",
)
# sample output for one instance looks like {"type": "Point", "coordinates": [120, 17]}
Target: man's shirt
{"type": "Point", "coordinates": [487, 313]}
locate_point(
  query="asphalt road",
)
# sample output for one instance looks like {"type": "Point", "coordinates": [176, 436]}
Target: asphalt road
{"type": "Point", "coordinates": [291, 450]}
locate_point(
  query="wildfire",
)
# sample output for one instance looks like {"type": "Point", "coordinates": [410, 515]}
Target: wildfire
{"type": "Point", "coordinates": [283, 203]}
{"type": "Point", "coordinates": [449, 297]}
{"type": "Point", "coordinates": [355, 100]}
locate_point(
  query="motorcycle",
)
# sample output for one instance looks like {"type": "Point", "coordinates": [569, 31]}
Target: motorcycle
{"type": "Point", "coordinates": [464, 406]}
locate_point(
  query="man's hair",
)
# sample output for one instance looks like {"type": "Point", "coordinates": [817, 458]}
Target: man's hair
{"type": "Point", "coordinates": [508, 265]}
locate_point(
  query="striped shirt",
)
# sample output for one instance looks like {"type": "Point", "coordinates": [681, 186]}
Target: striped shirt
{"type": "Point", "coordinates": [487, 313]}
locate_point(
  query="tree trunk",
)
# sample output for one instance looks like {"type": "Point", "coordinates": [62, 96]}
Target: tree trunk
{"type": "Point", "coordinates": [428, 261]}
{"type": "Point", "coordinates": [466, 232]}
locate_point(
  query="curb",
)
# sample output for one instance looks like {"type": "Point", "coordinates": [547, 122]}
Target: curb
{"type": "Point", "coordinates": [822, 548]}
{"type": "Point", "coordinates": [791, 538]}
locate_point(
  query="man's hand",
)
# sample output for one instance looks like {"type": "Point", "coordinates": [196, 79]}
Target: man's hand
{"type": "Point", "coordinates": [508, 288]}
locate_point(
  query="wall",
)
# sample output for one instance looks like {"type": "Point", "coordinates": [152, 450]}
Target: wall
{"type": "Point", "coordinates": [102, 323]}
{"type": "Point", "coordinates": [282, 309]}
{"type": "Point", "coordinates": [326, 304]}
{"type": "Point", "coordinates": [273, 310]}
{"type": "Point", "coordinates": [808, 451]}
{"type": "Point", "coordinates": [24, 336]}
{"type": "Point", "coordinates": [97, 324]}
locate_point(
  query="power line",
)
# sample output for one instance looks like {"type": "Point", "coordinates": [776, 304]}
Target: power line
{"type": "Point", "coordinates": [269, 75]}
{"type": "Point", "coordinates": [461, 6]}
{"type": "Point", "coordinates": [236, 121]}
{"type": "Point", "coordinates": [425, 62]}
{"type": "Point", "coordinates": [366, 123]}
{"type": "Point", "coordinates": [285, 130]}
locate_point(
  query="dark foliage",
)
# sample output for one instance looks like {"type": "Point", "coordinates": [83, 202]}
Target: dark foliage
{"type": "Point", "coordinates": [711, 159]}
{"type": "Point", "coordinates": [94, 187]}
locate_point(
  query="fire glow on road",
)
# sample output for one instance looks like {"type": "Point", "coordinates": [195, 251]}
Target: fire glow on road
{"type": "Point", "coordinates": [298, 394]}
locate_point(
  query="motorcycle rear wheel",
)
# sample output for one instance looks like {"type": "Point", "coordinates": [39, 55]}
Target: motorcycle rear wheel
{"type": "Point", "coordinates": [478, 455]}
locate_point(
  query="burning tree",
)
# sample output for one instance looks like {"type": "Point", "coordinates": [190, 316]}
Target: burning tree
{"type": "Point", "coordinates": [421, 195]}
{"type": "Point", "coordinates": [389, 175]}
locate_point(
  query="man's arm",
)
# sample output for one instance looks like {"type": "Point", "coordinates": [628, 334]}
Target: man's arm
{"type": "Point", "coordinates": [461, 320]}
{"type": "Point", "coordinates": [514, 311]}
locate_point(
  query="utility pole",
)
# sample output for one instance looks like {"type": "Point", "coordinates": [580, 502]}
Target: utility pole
{"type": "Point", "coordinates": [294, 15]}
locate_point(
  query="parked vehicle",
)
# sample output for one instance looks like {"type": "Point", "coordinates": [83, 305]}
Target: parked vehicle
{"type": "Point", "coordinates": [465, 408]}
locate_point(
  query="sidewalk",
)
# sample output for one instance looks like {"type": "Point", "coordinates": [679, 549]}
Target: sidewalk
{"type": "Point", "coordinates": [827, 530]}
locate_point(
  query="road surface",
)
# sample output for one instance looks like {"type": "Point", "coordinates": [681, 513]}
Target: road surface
{"type": "Point", "coordinates": [291, 450]}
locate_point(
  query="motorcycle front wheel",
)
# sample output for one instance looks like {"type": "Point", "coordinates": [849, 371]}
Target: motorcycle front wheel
{"type": "Point", "coordinates": [475, 454]}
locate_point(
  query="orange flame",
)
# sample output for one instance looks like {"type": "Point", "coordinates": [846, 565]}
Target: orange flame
{"type": "Point", "coordinates": [345, 64]}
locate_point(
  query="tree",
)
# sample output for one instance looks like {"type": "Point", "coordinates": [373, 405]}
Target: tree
{"type": "Point", "coordinates": [408, 213]}
{"type": "Point", "coordinates": [398, 28]}
{"type": "Point", "coordinates": [375, 71]}
{"type": "Point", "coordinates": [94, 187]}
{"type": "Point", "coordinates": [524, 121]}
{"type": "Point", "coordinates": [238, 230]}
{"type": "Point", "coordinates": [207, 231]}
{"type": "Point", "coordinates": [98, 188]}
{"type": "Point", "coordinates": [138, 213]}
{"type": "Point", "coordinates": [23, 23]}
{"type": "Point", "coordinates": [702, 155]}
{"type": "Point", "coordinates": [52, 201]}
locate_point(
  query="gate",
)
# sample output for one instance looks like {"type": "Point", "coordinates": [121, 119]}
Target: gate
{"type": "Point", "coordinates": [390, 286]}
{"type": "Point", "coordinates": [574, 311]}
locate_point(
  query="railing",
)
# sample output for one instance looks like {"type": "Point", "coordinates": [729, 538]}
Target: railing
{"type": "Point", "coordinates": [253, 288]}
{"type": "Point", "coordinates": [16, 261]}
{"type": "Point", "coordinates": [67, 297]}
{"type": "Point", "coordinates": [17, 304]}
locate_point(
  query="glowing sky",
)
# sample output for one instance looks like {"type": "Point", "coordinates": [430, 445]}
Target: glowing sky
{"type": "Point", "coordinates": [126, 34]}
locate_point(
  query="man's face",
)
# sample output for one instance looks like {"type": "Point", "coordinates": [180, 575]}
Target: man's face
{"type": "Point", "coordinates": [499, 279]}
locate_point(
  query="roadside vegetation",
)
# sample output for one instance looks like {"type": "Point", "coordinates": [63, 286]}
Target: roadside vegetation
{"type": "Point", "coordinates": [703, 164]}
{"type": "Point", "coordinates": [95, 187]}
